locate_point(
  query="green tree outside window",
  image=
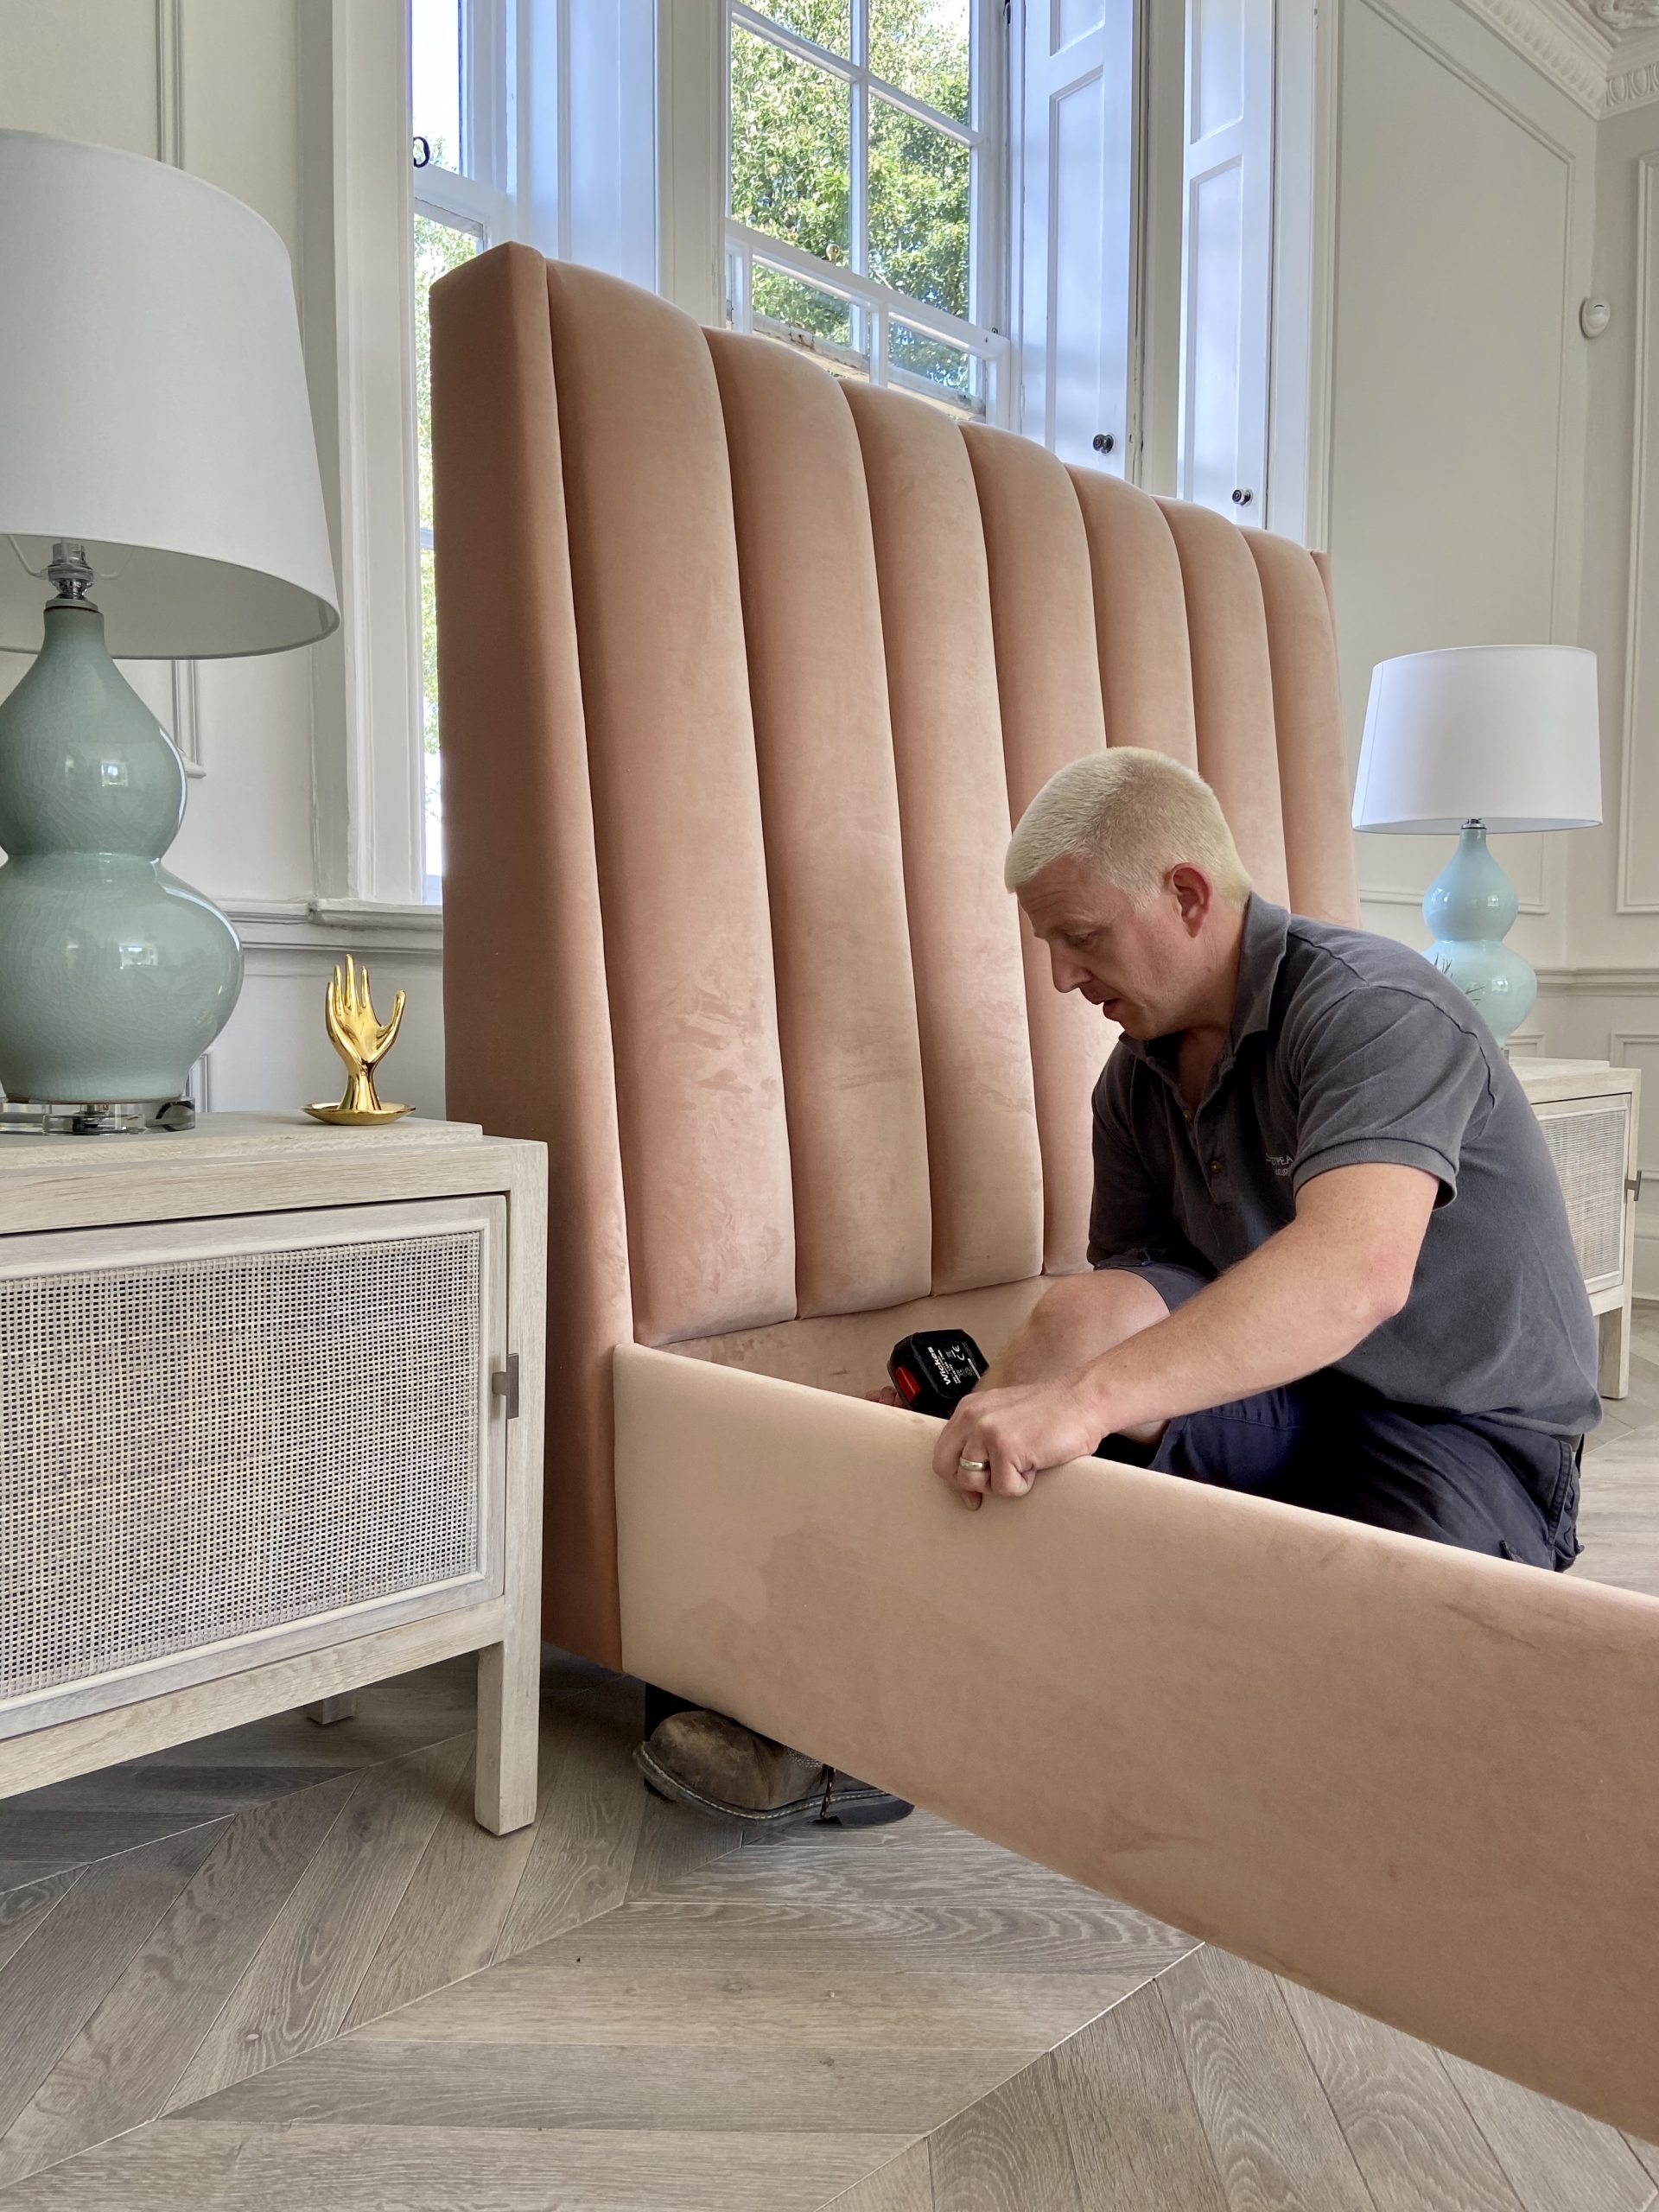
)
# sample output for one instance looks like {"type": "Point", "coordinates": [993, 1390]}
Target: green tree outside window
{"type": "Point", "coordinates": [791, 158]}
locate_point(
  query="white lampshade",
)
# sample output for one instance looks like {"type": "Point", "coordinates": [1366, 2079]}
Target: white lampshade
{"type": "Point", "coordinates": [1504, 734]}
{"type": "Point", "coordinates": [153, 407]}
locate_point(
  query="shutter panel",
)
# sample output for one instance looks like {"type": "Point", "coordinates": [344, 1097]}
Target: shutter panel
{"type": "Point", "coordinates": [1075, 200]}
{"type": "Point", "coordinates": [1226, 255]}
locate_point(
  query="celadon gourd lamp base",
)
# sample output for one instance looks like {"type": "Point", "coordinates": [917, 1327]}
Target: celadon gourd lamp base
{"type": "Point", "coordinates": [114, 976]}
{"type": "Point", "coordinates": [1469, 908]}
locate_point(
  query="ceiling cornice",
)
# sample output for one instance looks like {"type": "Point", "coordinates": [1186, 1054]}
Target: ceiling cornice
{"type": "Point", "coordinates": [1604, 75]}
{"type": "Point", "coordinates": [1633, 79]}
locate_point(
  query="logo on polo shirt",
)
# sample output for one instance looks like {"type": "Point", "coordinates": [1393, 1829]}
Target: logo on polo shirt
{"type": "Point", "coordinates": [1281, 1162]}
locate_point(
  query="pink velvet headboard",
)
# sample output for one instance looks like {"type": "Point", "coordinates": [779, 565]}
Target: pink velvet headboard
{"type": "Point", "coordinates": [744, 674]}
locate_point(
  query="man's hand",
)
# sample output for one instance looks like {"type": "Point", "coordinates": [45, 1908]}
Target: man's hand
{"type": "Point", "coordinates": [1016, 1432]}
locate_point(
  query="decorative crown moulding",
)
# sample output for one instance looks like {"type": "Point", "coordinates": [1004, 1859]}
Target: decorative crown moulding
{"type": "Point", "coordinates": [1585, 53]}
{"type": "Point", "coordinates": [1638, 87]}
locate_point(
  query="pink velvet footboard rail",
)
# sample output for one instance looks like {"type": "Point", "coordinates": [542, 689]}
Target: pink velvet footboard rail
{"type": "Point", "coordinates": [1424, 1783]}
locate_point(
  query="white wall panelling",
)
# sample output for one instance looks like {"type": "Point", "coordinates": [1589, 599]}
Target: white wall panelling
{"type": "Point", "coordinates": [1463, 247]}
{"type": "Point", "coordinates": [1614, 916]}
{"type": "Point", "coordinates": [1638, 780]}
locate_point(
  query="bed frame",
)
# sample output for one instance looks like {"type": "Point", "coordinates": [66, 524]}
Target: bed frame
{"type": "Point", "coordinates": [744, 672]}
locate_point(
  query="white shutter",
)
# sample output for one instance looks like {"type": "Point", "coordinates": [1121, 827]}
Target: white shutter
{"type": "Point", "coordinates": [1076, 194]}
{"type": "Point", "coordinates": [1226, 256]}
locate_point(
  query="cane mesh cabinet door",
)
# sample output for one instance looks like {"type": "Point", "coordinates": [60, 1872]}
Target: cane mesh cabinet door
{"type": "Point", "coordinates": [226, 1441]}
{"type": "Point", "coordinates": [1588, 1112]}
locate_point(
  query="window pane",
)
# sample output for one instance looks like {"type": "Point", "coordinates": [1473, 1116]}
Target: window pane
{"type": "Point", "coordinates": [827, 22]}
{"type": "Point", "coordinates": [438, 247]}
{"type": "Point", "coordinates": [922, 46]}
{"type": "Point", "coordinates": [792, 148]}
{"type": "Point", "coordinates": [934, 369]}
{"type": "Point", "coordinates": [434, 71]}
{"type": "Point", "coordinates": [918, 208]}
{"type": "Point", "coordinates": [785, 299]}
{"type": "Point", "coordinates": [782, 308]}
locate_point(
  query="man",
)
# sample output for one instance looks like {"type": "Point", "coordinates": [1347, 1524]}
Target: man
{"type": "Point", "coordinates": [1330, 1259]}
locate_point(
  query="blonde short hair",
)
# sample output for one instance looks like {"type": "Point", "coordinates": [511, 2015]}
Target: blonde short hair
{"type": "Point", "coordinates": [1127, 816]}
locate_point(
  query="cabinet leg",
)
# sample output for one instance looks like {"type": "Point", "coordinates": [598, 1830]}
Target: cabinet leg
{"type": "Point", "coordinates": [328, 1710]}
{"type": "Point", "coordinates": [1615, 1375]}
{"type": "Point", "coordinates": [509, 1717]}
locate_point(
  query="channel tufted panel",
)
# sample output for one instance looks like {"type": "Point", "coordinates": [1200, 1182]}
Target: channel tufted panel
{"type": "Point", "coordinates": [1306, 708]}
{"type": "Point", "coordinates": [1146, 664]}
{"type": "Point", "coordinates": [1048, 682]}
{"type": "Point", "coordinates": [985, 1169]}
{"type": "Point", "coordinates": [846, 1001]}
{"type": "Point", "coordinates": [745, 673]}
{"type": "Point", "coordinates": [676, 811]}
{"type": "Point", "coordinates": [1232, 685]}
{"type": "Point", "coordinates": [527, 1023]}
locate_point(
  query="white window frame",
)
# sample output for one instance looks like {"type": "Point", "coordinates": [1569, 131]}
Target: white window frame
{"type": "Point", "coordinates": [569, 167]}
{"type": "Point", "coordinates": [482, 200]}
{"type": "Point", "coordinates": [983, 332]}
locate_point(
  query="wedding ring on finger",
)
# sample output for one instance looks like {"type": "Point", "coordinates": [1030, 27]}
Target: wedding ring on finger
{"type": "Point", "coordinates": [973, 1466]}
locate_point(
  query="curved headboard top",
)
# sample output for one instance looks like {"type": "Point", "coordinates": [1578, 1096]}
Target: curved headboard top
{"type": "Point", "coordinates": [744, 672]}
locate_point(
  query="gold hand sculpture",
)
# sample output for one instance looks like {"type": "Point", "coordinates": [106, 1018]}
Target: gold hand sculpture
{"type": "Point", "coordinates": [362, 1041]}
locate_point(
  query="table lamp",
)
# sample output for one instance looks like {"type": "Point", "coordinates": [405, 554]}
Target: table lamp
{"type": "Point", "coordinates": [158, 475]}
{"type": "Point", "coordinates": [1469, 739]}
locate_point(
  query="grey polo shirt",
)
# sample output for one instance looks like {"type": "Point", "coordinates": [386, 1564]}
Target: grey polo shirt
{"type": "Point", "coordinates": [1344, 1048]}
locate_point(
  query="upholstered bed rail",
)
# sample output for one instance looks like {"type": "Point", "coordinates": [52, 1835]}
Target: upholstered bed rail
{"type": "Point", "coordinates": [1422, 1781]}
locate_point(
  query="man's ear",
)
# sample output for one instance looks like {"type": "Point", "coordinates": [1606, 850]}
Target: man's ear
{"type": "Point", "coordinates": [1193, 894]}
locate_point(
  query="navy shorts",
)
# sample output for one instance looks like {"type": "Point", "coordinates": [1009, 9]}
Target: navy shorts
{"type": "Point", "coordinates": [1332, 1445]}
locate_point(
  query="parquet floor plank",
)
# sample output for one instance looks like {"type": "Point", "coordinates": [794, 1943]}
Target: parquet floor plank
{"type": "Point", "coordinates": [1275, 2139]}
{"type": "Point", "coordinates": [299, 1987]}
{"type": "Point", "coordinates": [1416, 2141]}
{"type": "Point", "coordinates": [1009, 2152]}
{"type": "Point", "coordinates": [1136, 2135]}
{"type": "Point", "coordinates": [60, 1974]}
{"type": "Point", "coordinates": [904, 2184]}
{"type": "Point", "coordinates": [119, 2067]}
{"type": "Point", "coordinates": [1555, 2159]}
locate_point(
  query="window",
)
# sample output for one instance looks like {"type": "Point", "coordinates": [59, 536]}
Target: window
{"type": "Point", "coordinates": [463, 202]}
{"type": "Point", "coordinates": [865, 164]}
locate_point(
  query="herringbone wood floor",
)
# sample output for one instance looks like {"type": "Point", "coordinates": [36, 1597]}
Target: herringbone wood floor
{"type": "Point", "coordinates": [281, 1969]}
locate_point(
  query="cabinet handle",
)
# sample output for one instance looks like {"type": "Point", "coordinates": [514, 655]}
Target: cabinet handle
{"type": "Point", "coordinates": [1104, 441]}
{"type": "Point", "coordinates": [1242, 498]}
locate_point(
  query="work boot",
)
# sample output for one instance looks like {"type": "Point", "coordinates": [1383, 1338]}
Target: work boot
{"type": "Point", "coordinates": [718, 1766]}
